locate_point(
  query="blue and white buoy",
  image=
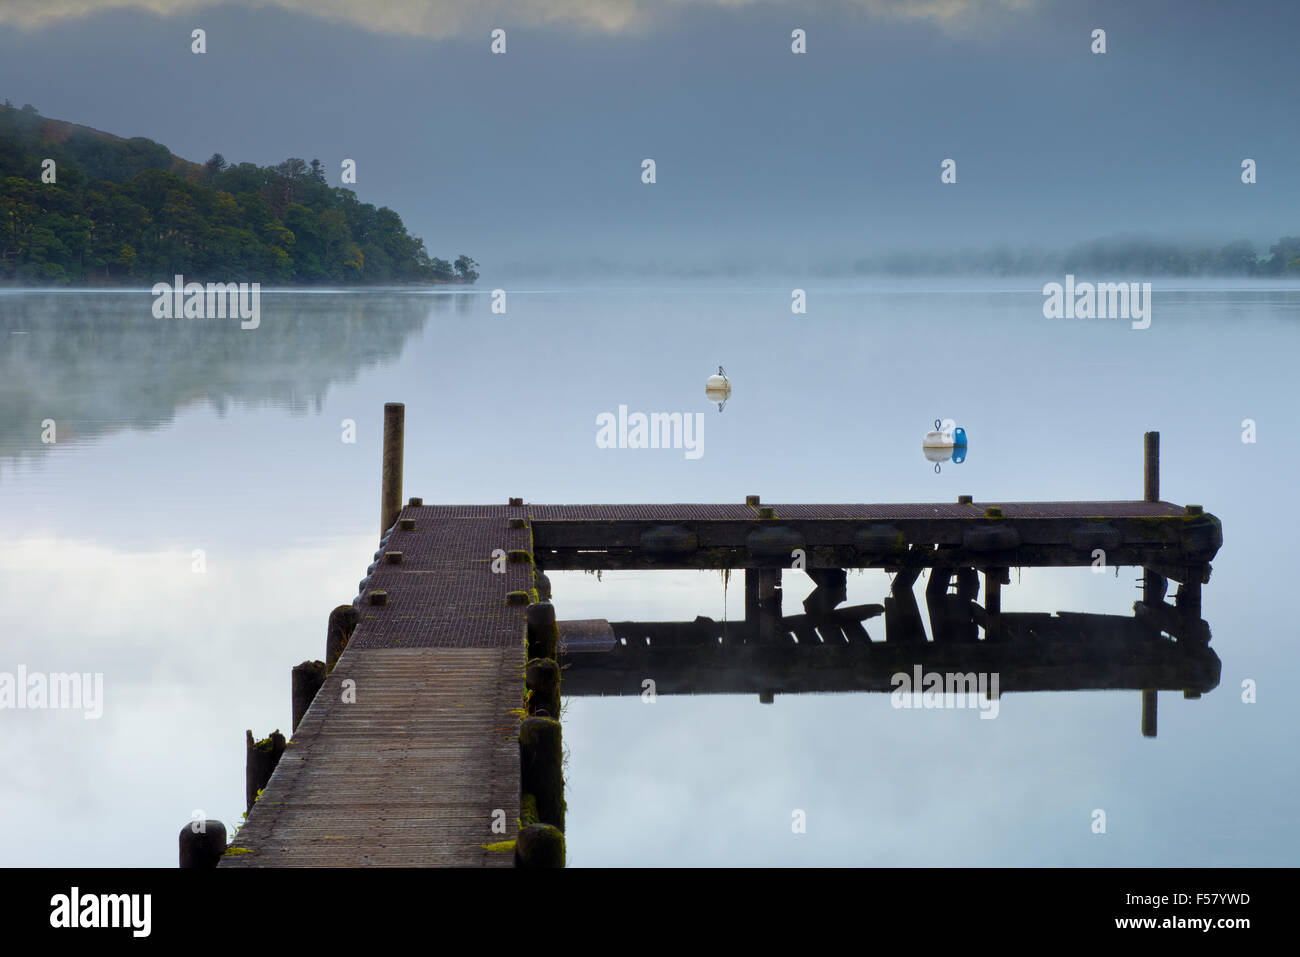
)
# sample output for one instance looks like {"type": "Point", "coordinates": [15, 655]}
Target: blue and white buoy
{"type": "Point", "coordinates": [946, 441]}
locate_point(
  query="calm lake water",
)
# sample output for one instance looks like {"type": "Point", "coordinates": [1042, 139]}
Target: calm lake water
{"type": "Point", "coordinates": [174, 436]}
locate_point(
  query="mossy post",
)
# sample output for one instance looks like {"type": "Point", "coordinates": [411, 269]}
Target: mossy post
{"type": "Point", "coordinates": [202, 843]}
{"type": "Point", "coordinates": [539, 845]}
{"type": "Point", "coordinates": [541, 768]}
{"type": "Point", "coordinates": [543, 630]}
{"type": "Point", "coordinates": [343, 621]}
{"type": "Point", "coordinates": [390, 488]}
{"type": "Point", "coordinates": [307, 680]}
{"type": "Point", "coordinates": [542, 678]}
{"type": "Point", "coordinates": [262, 758]}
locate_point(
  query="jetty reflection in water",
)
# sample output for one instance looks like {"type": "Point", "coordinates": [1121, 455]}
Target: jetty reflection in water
{"type": "Point", "coordinates": [829, 649]}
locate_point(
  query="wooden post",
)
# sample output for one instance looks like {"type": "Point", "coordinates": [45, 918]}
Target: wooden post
{"type": "Point", "coordinates": [307, 680]}
{"type": "Point", "coordinates": [390, 482]}
{"type": "Point", "coordinates": [260, 764]}
{"type": "Point", "coordinates": [1188, 603]}
{"type": "Point", "coordinates": [1151, 470]}
{"type": "Point", "coordinates": [542, 678]}
{"type": "Point", "coordinates": [993, 603]}
{"type": "Point", "coordinates": [343, 621]}
{"type": "Point", "coordinates": [1148, 713]}
{"type": "Point", "coordinates": [202, 847]}
{"type": "Point", "coordinates": [769, 604]}
{"type": "Point", "coordinates": [543, 631]}
{"type": "Point", "coordinates": [936, 604]}
{"type": "Point", "coordinates": [902, 616]}
{"type": "Point", "coordinates": [1153, 586]}
{"type": "Point", "coordinates": [539, 845]}
{"type": "Point", "coordinates": [751, 603]}
{"type": "Point", "coordinates": [541, 774]}
{"type": "Point", "coordinates": [1188, 598]}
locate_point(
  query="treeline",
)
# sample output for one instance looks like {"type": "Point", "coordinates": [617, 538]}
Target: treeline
{"type": "Point", "coordinates": [124, 211]}
{"type": "Point", "coordinates": [1132, 257]}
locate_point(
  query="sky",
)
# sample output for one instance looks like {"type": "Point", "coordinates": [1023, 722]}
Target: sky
{"type": "Point", "coordinates": [531, 160]}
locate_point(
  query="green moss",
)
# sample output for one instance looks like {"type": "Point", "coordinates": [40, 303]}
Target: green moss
{"type": "Point", "coordinates": [499, 846]}
{"type": "Point", "coordinates": [231, 851]}
{"type": "Point", "coordinates": [527, 810]}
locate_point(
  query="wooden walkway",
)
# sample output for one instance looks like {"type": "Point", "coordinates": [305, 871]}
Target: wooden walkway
{"type": "Point", "coordinates": [410, 750]}
{"type": "Point", "coordinates": [415, 769]}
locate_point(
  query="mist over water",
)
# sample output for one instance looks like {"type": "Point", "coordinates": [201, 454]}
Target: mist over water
{"type": "Point", "coordinates": [176, 435]}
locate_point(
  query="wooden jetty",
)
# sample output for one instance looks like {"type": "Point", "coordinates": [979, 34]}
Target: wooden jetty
{"type": "Point", "coordinates": [431, 739]}
{"type": "Point", "coordinates": [418, 763]}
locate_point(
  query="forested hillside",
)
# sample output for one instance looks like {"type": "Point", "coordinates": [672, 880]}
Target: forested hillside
{"type": "Point", "coordinates": [128, 211]}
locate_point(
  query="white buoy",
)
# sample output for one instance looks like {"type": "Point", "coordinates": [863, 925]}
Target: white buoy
{"type": "Point", "coordinates": [945, 435]}
{"type": "Point", "coordinates": [945, 441]}
{"type": "Point", "coordinates": [718, 388]}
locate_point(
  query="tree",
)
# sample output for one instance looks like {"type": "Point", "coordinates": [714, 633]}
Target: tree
{"type": "Point", "coordinates": [1283, 252]}
{"type": "Point", "coordinates": [465, 268]}
{"type": "Point", "coordinates": [1238, 258]}
{"type": "Point", "coordinates": [215, 164]}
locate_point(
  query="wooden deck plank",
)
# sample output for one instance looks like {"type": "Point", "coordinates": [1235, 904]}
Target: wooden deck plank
{"type": "Point", "coordinates": [407, 775]}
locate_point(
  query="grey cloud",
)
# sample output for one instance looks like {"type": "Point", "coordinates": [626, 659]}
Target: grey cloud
{"type": "Point", "coordinates": [446, 18]}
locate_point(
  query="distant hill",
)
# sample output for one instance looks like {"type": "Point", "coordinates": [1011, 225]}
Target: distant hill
{"type": "Point", "coordinates": [105, 156]}
{"type": "Point", "coordinates": [128, 211]}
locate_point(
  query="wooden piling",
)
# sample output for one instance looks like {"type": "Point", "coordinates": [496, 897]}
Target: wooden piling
{"type": "Point", "coordinates": [1153, 584]}
{"type": "Point", "coordinates": [542, 678]}
{"type": "Point", "coordinates": [390, 489]}
{"type": "Point", "coordinates": [343, 621]}
{"type": "Point", "coordinates": [306, 681]}
{"type": "Point", "coordinates": [993, 602]}
{"type": "Point", "coordinates": [1151, 467]}
{"type": "Point", "coordinates": [202, 847]}
{"type": "Point", "coordinates": [260, 764]}
{"type": "Point", "coordinates": [751, 602]}
{"type": "Point", "coordinates": [769, 604]}
{"type": "Point", "coordinates": [543, 632]}
{"type": "Point", "coordinates": [1188, 604]}
{"type": "Point", "coordinates": [539, 845]}
{"type": "Point", "coordinates": [1188, 598]}
{"type": "Point", "coordinates": [1148, 713]}
{"type": "Point", "coordinates": [541, 763]}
